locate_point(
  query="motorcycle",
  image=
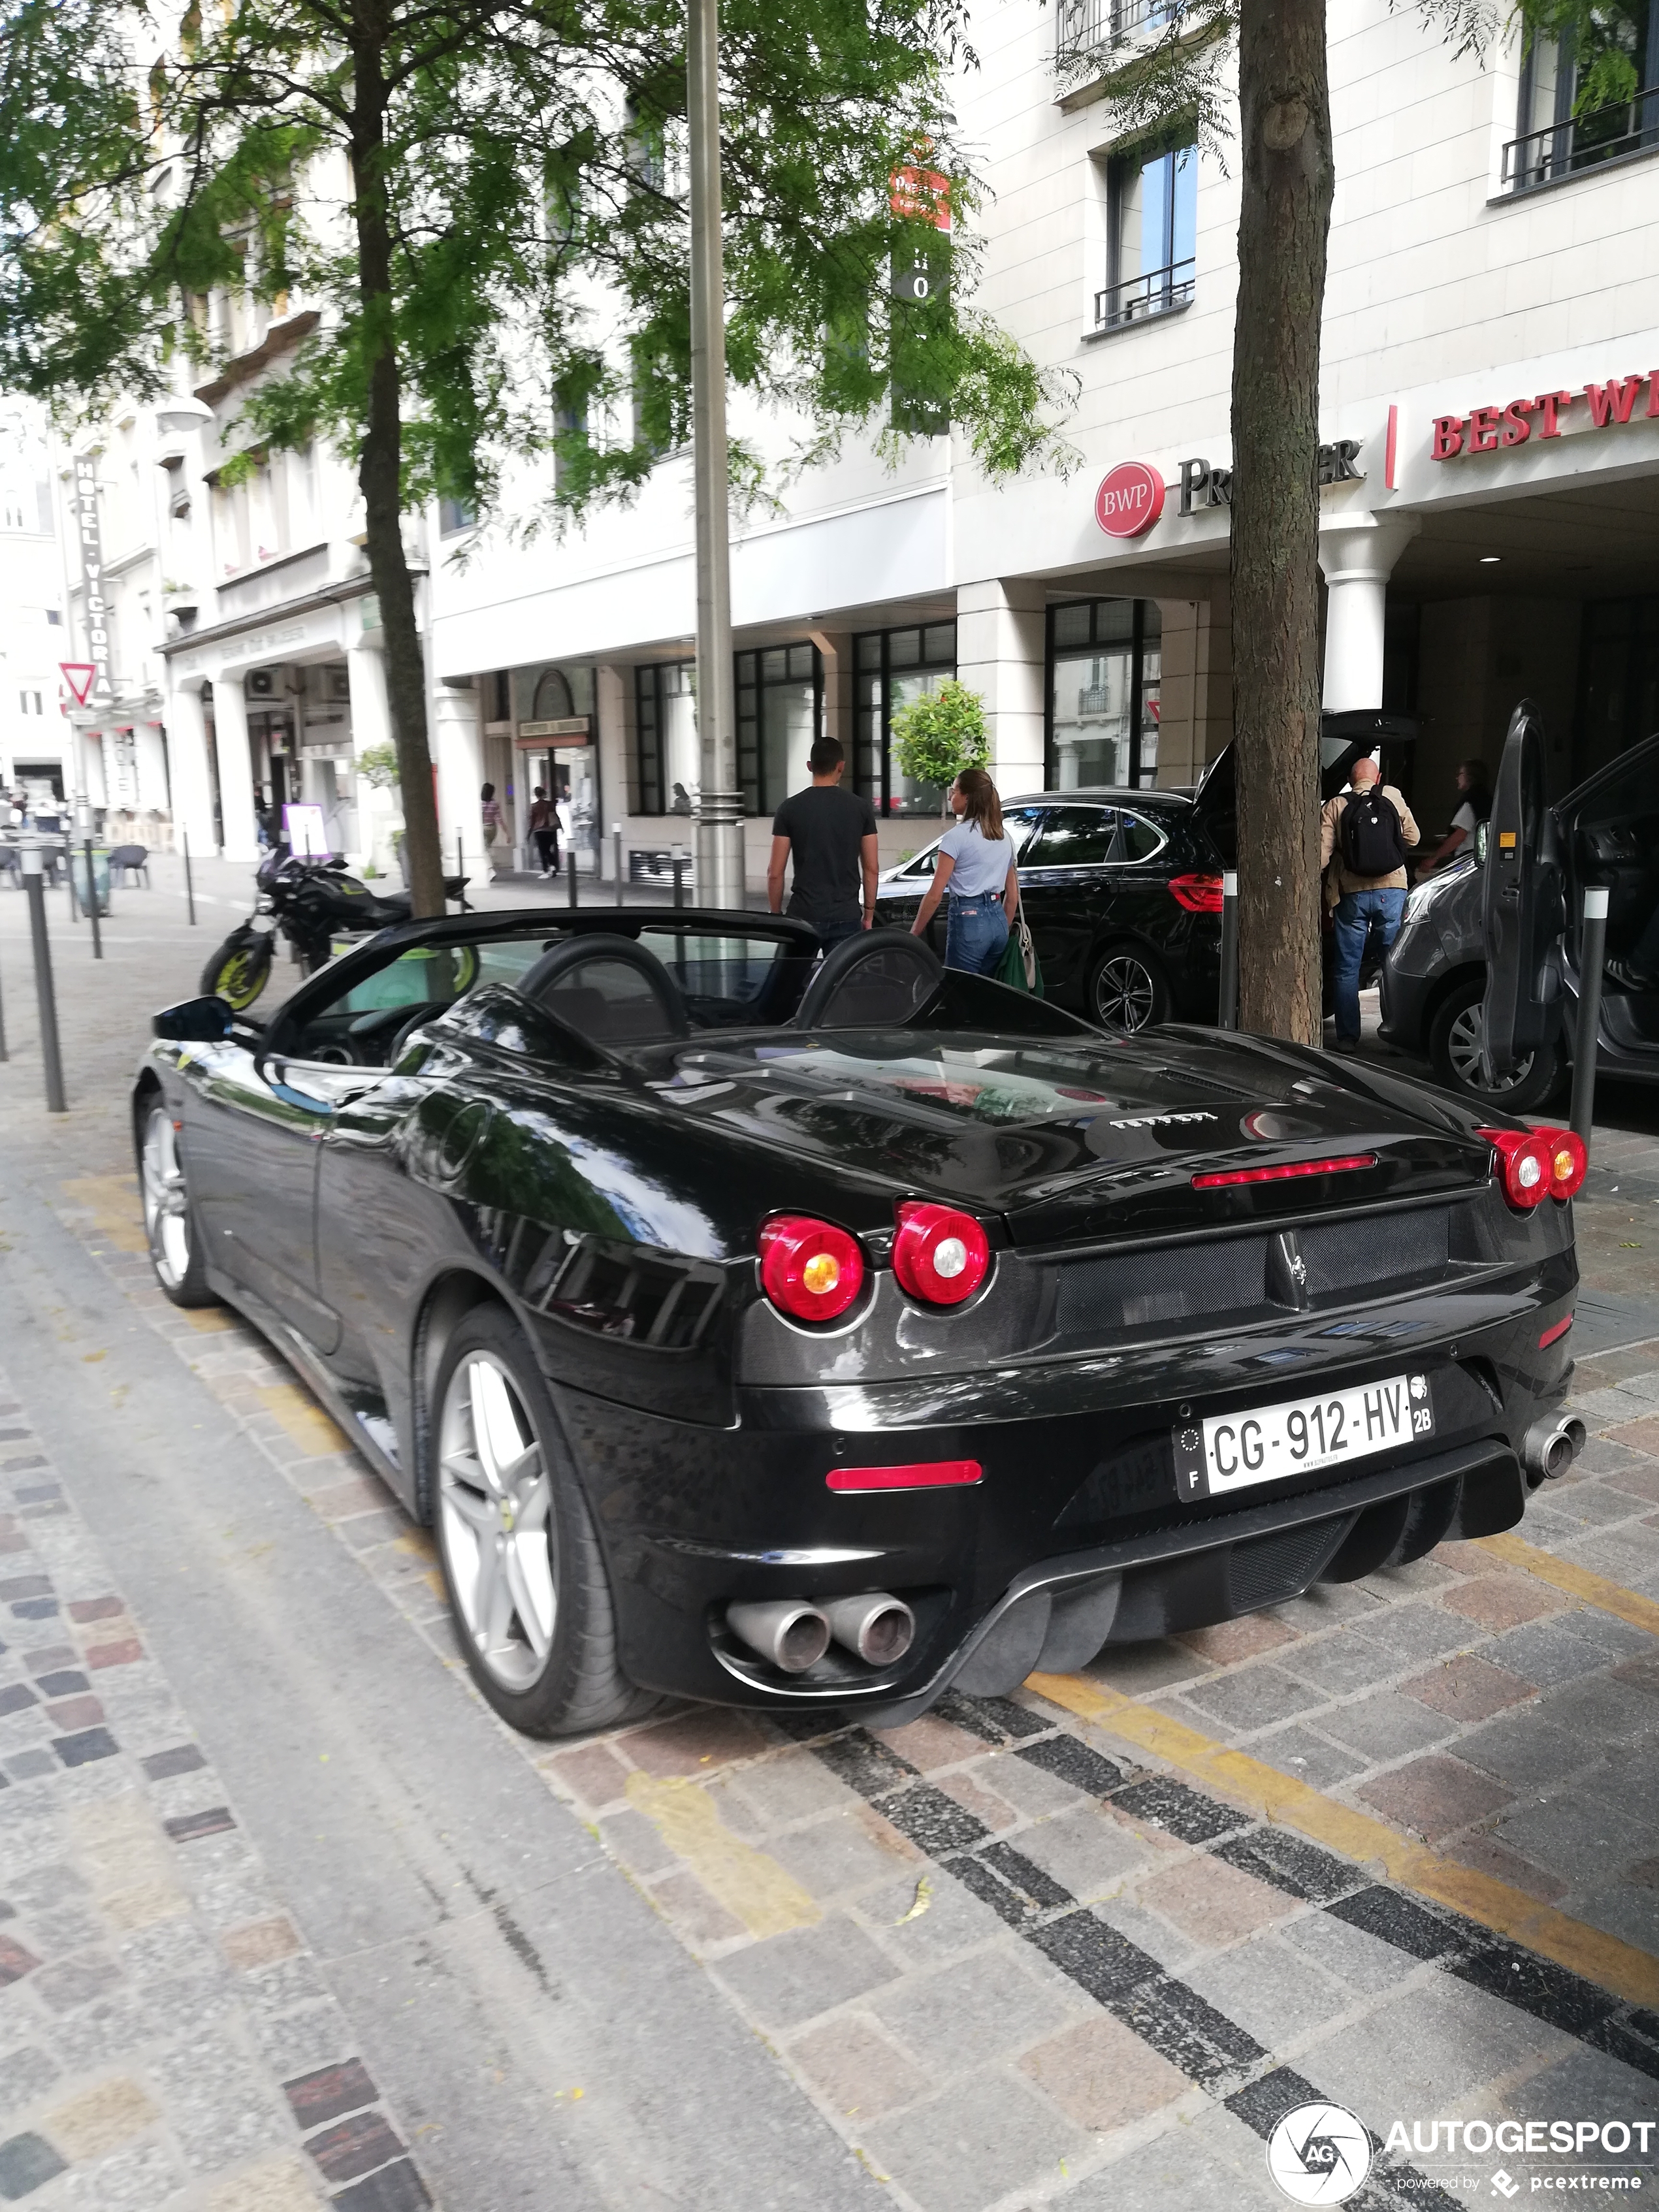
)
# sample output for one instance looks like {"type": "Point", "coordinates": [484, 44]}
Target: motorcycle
{"type": "Point", "coordinates": [310, 902]}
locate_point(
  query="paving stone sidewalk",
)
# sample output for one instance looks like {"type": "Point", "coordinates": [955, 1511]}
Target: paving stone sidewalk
{"type": "Point", "coordinates": [164, 2038]}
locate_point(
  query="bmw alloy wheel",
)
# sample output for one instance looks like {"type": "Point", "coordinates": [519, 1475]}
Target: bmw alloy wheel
{"type": "Point", "coordinates": [495, 1501]}
{"type": "Point", "coordinates": [1125, 994]}
{"type": "Point", "coordinates": [166, 1203]}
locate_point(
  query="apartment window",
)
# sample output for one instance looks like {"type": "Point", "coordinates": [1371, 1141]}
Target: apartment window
{"type": "Point", "coordinates": [892, 668]}
{"type": "Point", "coordinates": [780, 716]}
{"type": "Point", "coordinates": [569, 429]}
{"type": "Point", "coordinates": [54, 616]}
{"type": "Point", "coordinates": [455, 515]}
{"type": "Point", "coordinates": [667, 773]}
{"type": "Point", "coordinates": [1152, 236]}
{"type": "Point", "coordinates": [1105, 664]}
{"type": "Point", "coordinates": [1565, 122]}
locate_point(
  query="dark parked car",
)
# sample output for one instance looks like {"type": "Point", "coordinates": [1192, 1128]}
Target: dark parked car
{"type": "Point", "coordinates": [1437, 977]}
{"type": "Point", "coordinates": [816, 1334]}
{"type": "Point", "coordinates": [1122, 891]}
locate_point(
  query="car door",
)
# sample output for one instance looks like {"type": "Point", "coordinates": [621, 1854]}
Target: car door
{"type": "Point", "coordinates": [901, 891]}
{"type": "Point", "coordinates": [1609, 838]}
{"type": "Point", "coordinates": [1065, 887]}
{"type": "Point", "coordinates": [1524, 902]}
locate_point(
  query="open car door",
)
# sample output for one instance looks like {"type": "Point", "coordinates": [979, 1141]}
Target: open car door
{"type": "Point", "coordinates": [1524, 903]}
{"type": "Point", "coordinates": [1609, 831]}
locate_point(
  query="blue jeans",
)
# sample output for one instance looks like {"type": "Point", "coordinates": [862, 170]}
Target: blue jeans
{"type": "Point", "coordinates": [836, 932]}
{"type": "Point", "coordinates": [1357, 913]}
{"type": "Point", "coordinates": [975, 931]}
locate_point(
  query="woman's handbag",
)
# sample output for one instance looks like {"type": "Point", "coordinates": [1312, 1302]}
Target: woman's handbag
{"type": "Point", "coordinates": [1017, 967]}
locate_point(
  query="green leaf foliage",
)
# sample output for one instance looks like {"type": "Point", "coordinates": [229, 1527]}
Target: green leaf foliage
{"type": "Point", "coordinates": [938, 735]}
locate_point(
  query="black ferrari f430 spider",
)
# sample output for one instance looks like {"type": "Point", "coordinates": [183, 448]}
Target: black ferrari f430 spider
{"type": "Point", "coordinates": [817, 1334]}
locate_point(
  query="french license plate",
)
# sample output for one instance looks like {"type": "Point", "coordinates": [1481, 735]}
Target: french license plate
{"type": "Point", "coordinates": [1232, 1451]}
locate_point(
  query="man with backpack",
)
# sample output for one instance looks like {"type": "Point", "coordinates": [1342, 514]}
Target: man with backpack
{"type": "Point", "coordinates": [1365, 831]}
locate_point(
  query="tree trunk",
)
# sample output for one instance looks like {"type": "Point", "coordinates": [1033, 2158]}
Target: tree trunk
{"type": "Point", "coordinates": [1287, 177]}
{"type": "Point", "coordinates": [380, 469]}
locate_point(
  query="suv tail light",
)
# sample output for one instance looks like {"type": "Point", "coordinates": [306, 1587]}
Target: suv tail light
{"type": "Point", "coordinates": [939, 1256]}
{"type": "Point", "coordinates": [1198, 894]}
{"type": "Point", "coordinates": [811, 1270]}
{"type": "Point", "coordinates": [1526, 1159]}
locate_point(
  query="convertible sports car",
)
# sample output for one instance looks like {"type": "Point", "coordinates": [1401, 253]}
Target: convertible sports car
{"type": "Point", "coordinates": [812, 1334]}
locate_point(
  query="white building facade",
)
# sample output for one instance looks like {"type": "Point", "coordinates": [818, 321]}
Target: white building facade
{"type": "Point", "coordinates": [1491, 521]}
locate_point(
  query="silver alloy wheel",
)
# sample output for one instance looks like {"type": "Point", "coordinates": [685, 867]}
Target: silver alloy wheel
{"type": "Point", "coordinates": [1125, 993]}
{"type": "Point", "coordinates": [166, 1213]}
{"type": "Point", "coordinates": [1464, 1037]}
{"type": "Point", "coordinates": [496, 1509]}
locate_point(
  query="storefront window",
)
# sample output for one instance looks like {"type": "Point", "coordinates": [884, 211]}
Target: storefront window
{"type": "Point", "coordinates": [665, 736]}
{"type": "Point", "coordinates": [1105, 666]}
{"type": "Point", "coordinates": [779, 714]}
{"type": "Point", "coordinates": [564, 762]}
{"type": "Point", "coordinates": [894, 667]}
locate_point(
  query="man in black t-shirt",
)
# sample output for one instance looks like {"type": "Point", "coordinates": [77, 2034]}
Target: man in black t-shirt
{"type": "Point", "coordinates": [831, 836]}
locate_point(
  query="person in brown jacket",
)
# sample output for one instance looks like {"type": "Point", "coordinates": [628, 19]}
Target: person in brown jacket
{"type": "Point", "coordinates": [1365, 833]}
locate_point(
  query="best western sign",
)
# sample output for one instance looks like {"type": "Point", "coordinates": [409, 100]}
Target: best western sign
{"type": "Point", "coordinates": [1489, 429]}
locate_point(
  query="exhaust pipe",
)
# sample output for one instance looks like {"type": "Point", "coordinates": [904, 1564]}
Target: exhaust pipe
{"type": "Point", "coordinates": [790, 1632]}
{"type": "Point", "coordinates": [1551, 1445]}
{"type": "Point", "coordinates": [879, 1628]}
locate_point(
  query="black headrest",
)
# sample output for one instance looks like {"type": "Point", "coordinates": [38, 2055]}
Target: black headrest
{"type": "Point", "coordinates": [880, 979]}
{"type": "Point", "coordinates": [609, 990]}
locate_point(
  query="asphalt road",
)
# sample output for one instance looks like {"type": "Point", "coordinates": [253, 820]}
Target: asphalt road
{"type": "Point", "coordinates": [286, 1916]}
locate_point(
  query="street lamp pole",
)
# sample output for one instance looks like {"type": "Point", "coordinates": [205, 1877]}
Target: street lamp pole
{"type": "Point", "coordinates": [720, 803]}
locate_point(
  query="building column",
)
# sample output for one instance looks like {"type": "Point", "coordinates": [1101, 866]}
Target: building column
{"type": "Point", "coordinates": [1002, 653]}
{"type": "Point", "coordinates": [371, 724]}
{"type": "Point", "coordinates": [187, 758]}
{"type": "Point", "coordinates": [458, 751]}
{"type": "Point", "coordinates": [1357, 557]}
{"type": "Point", "coordinates": [236, 770]}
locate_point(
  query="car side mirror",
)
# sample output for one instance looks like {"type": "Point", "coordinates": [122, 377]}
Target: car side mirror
{"type": "Point", "coordinates": [194, 1021]}
{"type": "Point", "coordinates": [1482, 839]}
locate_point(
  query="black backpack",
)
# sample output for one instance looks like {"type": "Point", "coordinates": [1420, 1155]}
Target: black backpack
{"type": "Point", "coordinates": [1369, 835]}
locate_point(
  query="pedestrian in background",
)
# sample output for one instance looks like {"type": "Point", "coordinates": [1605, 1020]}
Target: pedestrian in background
{"type": "Point", "coordinates": [490, 815]}
{"type": "Point", "coordinates": [975, 874]}
{"type": "Point", "coordinates": [544, 828]}
{"type": "Point", "coordinates": [1474, 807]}
{"type": "Point", "coordinates": [1363, 835]}
{"type": "Point", "coordinates": [831, 836]}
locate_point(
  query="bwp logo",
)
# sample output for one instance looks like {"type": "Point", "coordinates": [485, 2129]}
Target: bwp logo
{"type": "Point", "coordinates": [1319, 2154]}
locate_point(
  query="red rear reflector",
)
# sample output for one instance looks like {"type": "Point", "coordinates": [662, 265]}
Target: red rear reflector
{"type": "Point", "coordinates": [1198, 894]}
{"type": "Point", "coordinates": [925, 1475]}
{"type": "Point", "coordinates": [1346, 1165]}
{"type": "Point", "coordinates": [1551, 1334]}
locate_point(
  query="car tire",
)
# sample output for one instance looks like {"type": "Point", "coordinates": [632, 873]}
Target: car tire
{"type": "Point", "coordinates": [528, 1589]}
{"type": "Point", "coordinates": [1454, 1052]}
{"type": "Point", "coordinates": [1129, 992]}
{"type": "Point", "coordinates": [175, 1247]}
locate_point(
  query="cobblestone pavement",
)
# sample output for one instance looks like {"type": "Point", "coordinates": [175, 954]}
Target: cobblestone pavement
{"type": "Point", "coordinates": [1393, 1844]}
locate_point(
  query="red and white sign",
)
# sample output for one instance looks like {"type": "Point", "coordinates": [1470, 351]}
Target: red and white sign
{"type": "Point", "coordinates": [1130, 499]}
{"type": "Point", "coordinates": [916, 192]}
{"type": "Point", "coordinates": [79, 674]}
{"type": "Point", "coordinates": [1486, 429]}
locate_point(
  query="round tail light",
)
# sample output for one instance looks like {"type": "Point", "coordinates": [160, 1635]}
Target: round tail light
{"type": "Point", "coordinates": [810, 1270]}
{"type": "Point", "coordinates": [1526, 1158]}
{"type": "Point", "coordinates": [939, 1256]}
{"type": "Point", "coordinates": [1569, 1160]}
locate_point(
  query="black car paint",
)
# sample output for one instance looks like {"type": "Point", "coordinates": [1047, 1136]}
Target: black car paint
{"type": "Point", "coordinates": [388, 1200]}
{"type": "Point", "coordinates": [1441, 947]}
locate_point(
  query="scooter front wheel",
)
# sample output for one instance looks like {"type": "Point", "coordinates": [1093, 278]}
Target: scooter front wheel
{"type": "Point", "coordinates": [239, 970]}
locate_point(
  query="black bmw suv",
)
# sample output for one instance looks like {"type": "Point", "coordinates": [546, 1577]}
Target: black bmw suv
{"type": "Point", "coordinates": [1122, 891]}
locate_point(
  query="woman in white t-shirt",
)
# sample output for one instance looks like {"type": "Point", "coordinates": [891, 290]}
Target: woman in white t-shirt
{"type": "Point", "coordinates": [975, 873]}
{"type": "Point", "coordinates": [1475, 796]}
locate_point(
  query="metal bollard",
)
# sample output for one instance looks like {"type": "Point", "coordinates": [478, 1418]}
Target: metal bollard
{"type": "Point", "coordinates": [91, 904]}
{"type": "Point", "coordinates": [460, 865]}
{"type": "Point", "coordinates": [45, 996]}
{"type": "Point", "coordinates": [678, 857]}
{"type": "Point", "coordinates": [1593, 946]}
{"type": "Point", "coordinates": [616, 857]}
{"type": "Point", "coordinates": [1227, 1017]}
{"type": "Point", "coordinates": [190, 886]}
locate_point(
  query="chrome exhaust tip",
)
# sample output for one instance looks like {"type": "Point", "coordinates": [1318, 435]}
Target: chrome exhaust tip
{"type": "Point", "coordinates": [788, 1631]}
{"type": "Point", "coordinates": [1552, 1444]}
{"type": "Point", "coordinates": [879, 1628]}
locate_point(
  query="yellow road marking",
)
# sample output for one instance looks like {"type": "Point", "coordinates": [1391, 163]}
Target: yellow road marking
{"type": "Point", "coordinates": [117, 1211]}
{"type": "Point", "coordinates": [303, 1417]}
{"type": "Point", "coordinates": [1288, 1803]}
{"type": "Point", "coordinates": [752, 1887]}
{"type": "Point", "coordinates": [1577, 1582]}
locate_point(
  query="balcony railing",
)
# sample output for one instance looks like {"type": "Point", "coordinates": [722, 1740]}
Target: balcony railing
{"type": "Point", "coordinates": [1159, 292]}
{"type": "Point", "coordinates": [1085, 26]}
{"type": "Point", "coordinates": [1582, 141]}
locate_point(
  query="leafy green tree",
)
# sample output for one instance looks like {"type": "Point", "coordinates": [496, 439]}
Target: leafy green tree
{"type": "Point", "coordinates": [483, 201]}
{"type": "Point", "coordinates": [941, 733]}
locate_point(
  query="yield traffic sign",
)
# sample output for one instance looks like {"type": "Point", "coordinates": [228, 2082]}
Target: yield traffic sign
{"type": "Point", "coordinates": [79, 674]}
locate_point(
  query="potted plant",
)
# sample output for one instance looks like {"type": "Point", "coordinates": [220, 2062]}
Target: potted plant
{"type": "Point", "coordinates": [936, 736]}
